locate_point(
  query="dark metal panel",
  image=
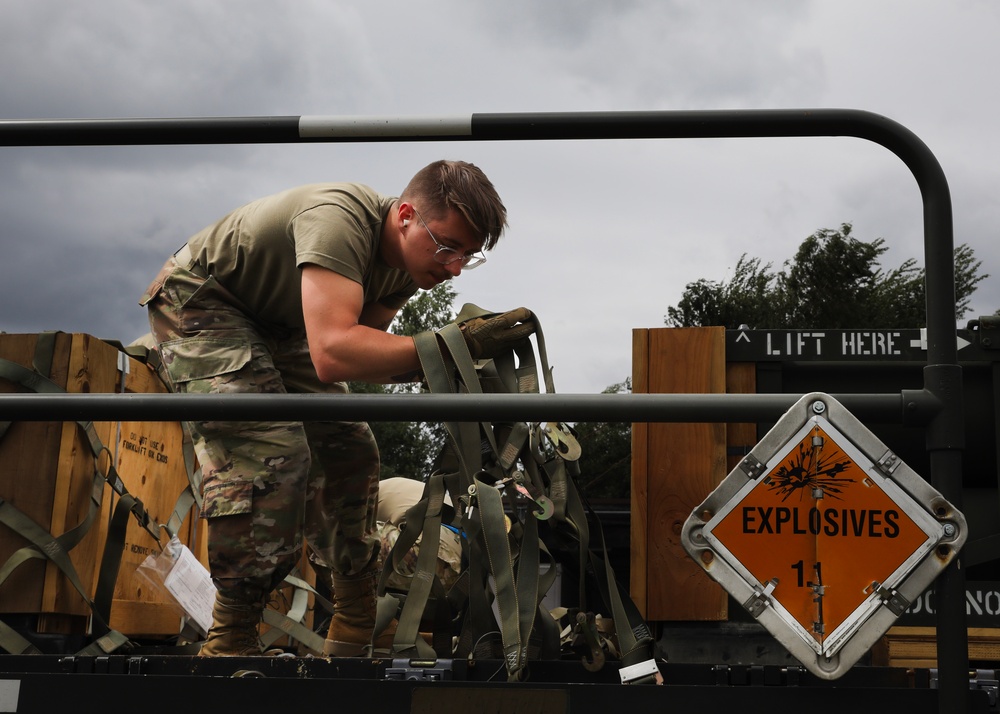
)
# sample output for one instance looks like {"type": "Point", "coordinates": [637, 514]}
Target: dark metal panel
{"type": "Point", "coordinates": [46, 693]}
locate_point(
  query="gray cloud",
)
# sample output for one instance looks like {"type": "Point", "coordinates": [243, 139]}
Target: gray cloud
{"type": "Point", "coordinates": [604, 235]}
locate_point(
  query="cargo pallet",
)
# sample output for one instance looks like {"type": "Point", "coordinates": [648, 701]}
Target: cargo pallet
{"type": "Point", "coordinates": [937, 407]}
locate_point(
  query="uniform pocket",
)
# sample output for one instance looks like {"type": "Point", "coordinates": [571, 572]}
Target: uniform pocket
{"type": "Point", "coordinates": [156, 286]}
{"type": "Point", "coordinates": [227, 497]}
{"type": "Point", "coordinates": [195, 359]}
{"type": "Point", "coordinates": [216, 364]}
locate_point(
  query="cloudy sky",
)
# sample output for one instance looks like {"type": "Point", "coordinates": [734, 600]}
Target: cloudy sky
{"type": "Point", "coordinates": [604, 234]}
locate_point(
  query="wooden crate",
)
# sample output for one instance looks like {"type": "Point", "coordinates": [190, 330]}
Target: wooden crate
{"type": "Point", "coordinates": [47, 471]}
{"type": "Point", "coordinates": [674, 467]}
{"type": "Point", "coordinates": [917, 647]}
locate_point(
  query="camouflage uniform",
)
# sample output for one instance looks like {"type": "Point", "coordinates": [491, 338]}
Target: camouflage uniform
{"type": "Point", "coordinates": [449, 561]}
{"type": "Point", "coordinates": [266, 484]}
{"type": "Point", "coordinates": [395, 496]}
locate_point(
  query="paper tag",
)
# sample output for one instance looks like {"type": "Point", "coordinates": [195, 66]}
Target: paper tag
{"type": "Point", "coordinates": [191, 585]}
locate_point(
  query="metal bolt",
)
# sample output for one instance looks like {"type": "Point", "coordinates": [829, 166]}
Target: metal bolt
{"type": "Point", "coordinates": [818, 407]}
{"type": "Point", "coordinates": [949, 530]}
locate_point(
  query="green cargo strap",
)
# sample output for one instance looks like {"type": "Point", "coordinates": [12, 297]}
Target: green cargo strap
{"type": "Point", "coordinates": [56, 549]}
{"type": "Point", "coordinates": [114, 546]}
{"type": "Point", "coordinates": [290, 623]}
{"type": "Point", "coordinates": [517, 597]}
{"type": "Point", "coordinates": [41, 363]}
{"type": "Point", "coordinates": [482, 466]}
{"type": "Point", "coordinates": [464, 435]}
{"type": "Point", "coordinates": [107, 643]}
{"type": "Point", "coordinates": [12, 642]}
{"type": "Point", "coordinates": [516, 594]}
{"type": "Point", "coordinates": [15, 372]}
{"type": "Point", "coordinates": [191, 495]}
{"type": "Point", "coordinates": [44, 545]}
{"type": "Point", "coordinates": [427, 512]}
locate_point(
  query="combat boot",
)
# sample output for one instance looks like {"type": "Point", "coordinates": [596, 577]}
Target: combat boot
{"type": "Point", "coordinates": [234, 630]}
{"type": "Point", "coordinates": [353, 622]}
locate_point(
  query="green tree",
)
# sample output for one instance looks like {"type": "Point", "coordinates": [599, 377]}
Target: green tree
{"type": "Point", "coordinates": [606, 455]}
{"type": "Point", "coordinates": [427, 310]}
{"type": "Point", "coordinates": [746, 299]}
{"type": "Point", "coordinates": [409, 448]}
{"type": "Point", "coordinates": [834, 281]}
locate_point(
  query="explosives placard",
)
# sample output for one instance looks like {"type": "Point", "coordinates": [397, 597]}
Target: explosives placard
{"type": "Point", "coordinates": [824, 535]}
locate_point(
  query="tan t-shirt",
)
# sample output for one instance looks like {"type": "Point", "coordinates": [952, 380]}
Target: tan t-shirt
{"type": "Point", "coordinates": [258, 250]}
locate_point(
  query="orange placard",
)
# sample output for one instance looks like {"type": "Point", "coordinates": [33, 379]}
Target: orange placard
{"type": "Point", "coordinates": [825, 529]}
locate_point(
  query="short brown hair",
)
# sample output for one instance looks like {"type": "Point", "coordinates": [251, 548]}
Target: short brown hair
{"type": "Point", "coordinates": [462, 186]}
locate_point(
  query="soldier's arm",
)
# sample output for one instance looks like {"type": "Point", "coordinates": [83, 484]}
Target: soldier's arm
{"type": "Point", "coordinates": [346, 341]}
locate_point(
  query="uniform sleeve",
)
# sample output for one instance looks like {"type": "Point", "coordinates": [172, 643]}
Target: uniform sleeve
{"type": "Point", "coordinates": [332, 238]}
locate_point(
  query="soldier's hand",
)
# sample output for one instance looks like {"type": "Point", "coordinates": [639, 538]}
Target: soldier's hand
{"type": "Point", "coordinates": [488, 337]}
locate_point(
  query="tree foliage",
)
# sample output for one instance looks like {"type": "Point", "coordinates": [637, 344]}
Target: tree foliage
{"type": "Point", "coordinates": [606, 456]}
{"type": "Point", "coordinates": [427, 310]}
{"type": "Point", "coordinates": [834, 281]}
{"type": "Point", "coordinates": [409, 448]}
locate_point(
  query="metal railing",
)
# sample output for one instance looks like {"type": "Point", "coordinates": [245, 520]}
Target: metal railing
{"type": "Point", "coordinates": [938, 406]}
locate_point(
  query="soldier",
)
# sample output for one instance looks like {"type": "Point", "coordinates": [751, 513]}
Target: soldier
{"type": "Point", "coordinates": [294, 293]}
{"type": "Point", "coordinates": [395, 496]}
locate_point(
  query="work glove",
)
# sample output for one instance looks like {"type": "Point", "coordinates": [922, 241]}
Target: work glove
{"type": "Point", "coordinates": [488, 337]}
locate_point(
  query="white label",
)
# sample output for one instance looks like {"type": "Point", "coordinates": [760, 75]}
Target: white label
{"type": "Point", "coordinates": [10, 691]}
{"type": "Point", "coordinates": [191, 585]}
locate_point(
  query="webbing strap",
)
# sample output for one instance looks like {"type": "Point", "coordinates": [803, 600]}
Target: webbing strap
{"type": "Point", "coordinates": [57, 549]}
{"type": "Point", "coordinates": [408, 640]}
{"type": "Point", "coordinates": [45, 545]}
{"type": "Point", "coordinates": [515, 458]}
{"type": "Point", "coordinates": [32, 380]}
{"type": "Point", "coordinates": [291, 623]}
{"type": "Point", "coordinates": [114, 546]}
{"type": "Point", "coordinates": [12, 642]}
{"type": "Point", "coordinates": [635, 640]}
{"type": "Point", "coordinates": [192, 494]}
{"type": "Point", "coordinates": [517, 598]}
{"type": "Point", "coordinates": [41, 362]}
{"type": "Point", "coordinates": [439, 379]}
{"type": "Point", "coordinates": [181, 508]}
{"type": "Point", "coordinates": [45, 350]}
{"type": "Point", "coordinates": [105, 644]}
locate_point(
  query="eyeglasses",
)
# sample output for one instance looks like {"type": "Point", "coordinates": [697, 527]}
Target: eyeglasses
{"type": "Point", "coordinates": [446, 256]}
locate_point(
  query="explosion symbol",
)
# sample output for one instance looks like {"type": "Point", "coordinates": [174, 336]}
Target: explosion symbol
{"type": "Point", "coordinates": [811, 468]}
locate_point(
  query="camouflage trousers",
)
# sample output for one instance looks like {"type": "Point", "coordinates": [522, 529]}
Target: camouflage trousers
{"type": "Point", "coordinates": [266, 485]}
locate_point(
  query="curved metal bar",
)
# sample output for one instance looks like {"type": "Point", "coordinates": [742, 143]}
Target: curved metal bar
{"type": "Point", "coordinates": [938, 231]}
